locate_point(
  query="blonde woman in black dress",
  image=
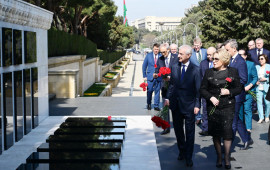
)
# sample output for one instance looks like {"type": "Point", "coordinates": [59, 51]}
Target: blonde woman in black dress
{"type": "Point", "coordinates": [219, 87]}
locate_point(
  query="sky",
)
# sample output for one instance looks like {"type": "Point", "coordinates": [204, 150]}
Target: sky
{"type": "Point", "coordinates": [138, 9]}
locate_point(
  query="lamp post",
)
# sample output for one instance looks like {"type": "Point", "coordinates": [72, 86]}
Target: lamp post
{"type": "Point", "coordinates": [176, 35]}
{"type": "Point", "coordinates": [184, 33]}
{"type": "Point", "coordinates": [161, 24]}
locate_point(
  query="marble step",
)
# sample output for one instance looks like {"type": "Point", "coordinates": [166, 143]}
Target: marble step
{"type": "Point", "coordinates": [77, 131]}
{"type": "Point", "coordinates": [86, 124]}
{"type": "Point", "coordinates": [95, 119]}
{"type": "Point", "coordinates": [85, 138]}
{"type": "Point", "coordinates": [69, 166]}
{"type": "Point", "coordinates": [74, 157]}
{"type": "Point", "coordinates": [81, 147]}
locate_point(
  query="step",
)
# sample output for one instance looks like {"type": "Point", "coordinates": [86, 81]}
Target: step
{"type": "Point", "coordinates": [95, 119]}
{"type": "Point", "coordinates": [86, 124]}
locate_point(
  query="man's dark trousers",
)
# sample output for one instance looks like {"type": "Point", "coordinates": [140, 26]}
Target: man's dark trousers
{"type": "Point", "coordinates": [185, 143]}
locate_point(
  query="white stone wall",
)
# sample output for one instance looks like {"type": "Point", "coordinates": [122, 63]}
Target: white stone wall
{"type": "Point", "coordinates": [17, 14]}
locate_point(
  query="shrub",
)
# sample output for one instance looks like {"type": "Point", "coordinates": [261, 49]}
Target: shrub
{"type": "Point", "coordinates": [61, 43]}
{"type": "Point", "coordinates": [110, 57]}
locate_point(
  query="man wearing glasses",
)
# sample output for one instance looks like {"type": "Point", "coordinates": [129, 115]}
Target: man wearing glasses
{"type": "Point", "coordinates": [198, 54]}
{"type": "Point", "coordinates": [166, 60]}
{"type": "Point", "coordinates": [206, 64]}
{"type": "Point", "coordinates": [258, 51]}
{"type": "Point", "coordinates": [251, 44]}
{"type": "Point", "coordinates": [148, 69]}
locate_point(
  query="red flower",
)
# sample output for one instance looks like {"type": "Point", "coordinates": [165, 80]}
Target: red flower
{"type": "Point", "coordinates": [109, 117]}
{"type": "Point", "coordinates": [143, 86]}
{"type": "Point", "coordinates": [155, 66]}
{"type": "Point", "coordinates": [267, 72]}
{"type": "Point", "coordinates": [228, 79]}
{"type": "Point", "coordinates": [160, 122]}
{"type": "Point", "coordinates": [164, 71]}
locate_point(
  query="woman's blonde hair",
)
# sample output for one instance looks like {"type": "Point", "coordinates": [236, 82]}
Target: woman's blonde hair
{"type": "Point", "coordinates": [223, 56]}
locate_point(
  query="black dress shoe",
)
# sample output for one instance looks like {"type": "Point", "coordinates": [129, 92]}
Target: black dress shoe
{"type": "Point", "coordinates": [204, 133]}
{"type": "Point", "coordinates": [250, 142]}
{"type": "Point", "coordinates": [180, 157]}
{"type": "Point", "coordinates": [157, 108]}
{"type": "Point", "coordinates": [149, 106]}
{"type": "Point", "coordinates": [164, 132]}
{"type": "Point", "coordinates": [189, 163]}
{"type": "Point", "coordinates": [218, 165]}
{"type": "Point", "coordinates": [228, 166]}
{"type": "Point", "coordinates": [245, 147]}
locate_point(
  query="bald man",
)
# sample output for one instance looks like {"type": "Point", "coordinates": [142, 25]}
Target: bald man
{"type": "Point", "coordinates": [174, 48]}
{"type": "Point", "coordinates": [251, 44]}
{"type": "Point", "coordinates": [204, 65]}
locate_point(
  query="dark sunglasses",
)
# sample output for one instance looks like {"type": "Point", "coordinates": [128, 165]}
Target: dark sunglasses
{"type": "Point", "coordinates": [261, 59]}
{"type": "Point", "coordinates": [215, 59]}
{"type": "Point", "coordinates": [163, 52]}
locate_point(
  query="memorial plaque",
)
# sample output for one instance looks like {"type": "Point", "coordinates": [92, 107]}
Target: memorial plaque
{"type": "Point", "coordinates": [17, 47]}
{"type": "Point", "coordinates": [30, 47]}
{"type": "Point", "coordinates": [86, 124]}
{"type": "Point", "coordinates": [6, 47]}
{"type": "Point", "coordinates": [86, 138]}
{"type": "Point", "coordinates": [82, 147]}
{"type": "Point", "coordinates": [70, 131]}
{"type": "Point", "coordinates": [74, 157]}
{"type": "Point", "coordinates": [65, 166]}
{"type": "Point", "coordinates": [95, 119]}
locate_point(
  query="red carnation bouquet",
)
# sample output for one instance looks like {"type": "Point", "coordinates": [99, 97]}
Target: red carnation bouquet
{"type": "Point", "coordinates": [144, 85]}
{"type": "Point", "coordinates": [160, 122]}
{"type": "Point", "coordinates": [164, 72]}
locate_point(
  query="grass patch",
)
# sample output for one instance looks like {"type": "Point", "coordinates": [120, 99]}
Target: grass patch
{"type": "Point", "coordinates": [110, 75]}
{"type": "Point", "coordinates": [117, 67]}
{"type": "Point", "coordinates": [95, 90]}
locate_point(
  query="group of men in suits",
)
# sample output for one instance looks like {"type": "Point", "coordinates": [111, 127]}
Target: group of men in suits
{"type": "Point", "coordinates": [183, 97]}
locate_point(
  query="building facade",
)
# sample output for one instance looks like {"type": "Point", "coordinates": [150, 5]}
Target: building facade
{"type": "Point", "coordinates": [153, 23]}
{"type": "Point", "coordinates": [23, 69]}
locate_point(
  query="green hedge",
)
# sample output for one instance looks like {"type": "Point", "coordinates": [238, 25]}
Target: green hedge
{"type": "Point", "coordinates": [61, 43]}
{"type": "Point", "coordinates": [95, 90]}
{"type": "Point", "coordinates": [110, 57]}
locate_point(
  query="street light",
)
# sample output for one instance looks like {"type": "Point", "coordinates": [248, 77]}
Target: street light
{"type": "Point", "coordinates": [176, 35]}
{"type": "Point", "coordinates": [184, 33]}
{"type": "Point", "coordinates": [161, 24]}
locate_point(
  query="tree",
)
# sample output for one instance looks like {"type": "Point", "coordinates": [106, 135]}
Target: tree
{"type": "Point", "coordinates": [242, 20]}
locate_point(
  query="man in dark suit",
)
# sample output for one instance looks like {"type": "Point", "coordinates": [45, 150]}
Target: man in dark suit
{"type": "Point", "coordinates": [239, 63]}
{"type": "Point", "coordinates": [166, 60]}
{"type": "Point", "coordinates": [148, 69]}
{"type": "Point", "coordinates": [206, 64]}
{"type": "Point", "coordinates": [184, 100]}
{"type": "Point", "coordinates": [198, 54]}
{"type": "Point", "coordinates": [254, 53]}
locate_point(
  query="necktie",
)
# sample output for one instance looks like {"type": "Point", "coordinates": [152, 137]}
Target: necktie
{"type": "Point", "coordinates": [211, 64]}
{"type": "Point", "coordinates": [199, 57]}
{"type": "Point", "coordinates": [167, 62]}
{"type": "Point", "coordinates": [259, 52]}
{"type": "Point", "coordinates": [183, 72]}
{"type": "Point", "coordinates": [155, 59]}
{"type": "Point", "coordinates": [231, 61]}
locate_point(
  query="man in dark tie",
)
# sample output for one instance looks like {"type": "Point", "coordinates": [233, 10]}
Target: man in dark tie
{"type": "Point", "coordinates": [254, 53]}
{"type": "Point", "coordinates": [239, 63]}
{"type": "Point", "coordinates": [206, 64]}
{"type": "Point", "coordinates": [198, 54]}
{"type": "Point", "coordinates": [148, 69]}
{"type": "Point", "coordinates": [166, 60]}
{"type": "Point", "coordinates": [184, 100]}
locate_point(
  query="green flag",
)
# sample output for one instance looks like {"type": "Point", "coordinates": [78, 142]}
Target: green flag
{"type": "Point", "coordinates": [125, 14]}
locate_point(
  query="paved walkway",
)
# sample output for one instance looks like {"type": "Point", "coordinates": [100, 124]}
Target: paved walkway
{"type": "Point", "coordinates": [129, 99]}
{"type": "Point", "coordinates": [204, 157]}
